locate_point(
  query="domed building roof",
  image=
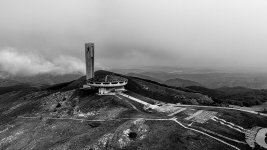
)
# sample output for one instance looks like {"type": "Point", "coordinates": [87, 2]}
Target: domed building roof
{"type": "Point", "coordinates": [107, 81]}
{"type": "Point", "coordinates": [107, 78]}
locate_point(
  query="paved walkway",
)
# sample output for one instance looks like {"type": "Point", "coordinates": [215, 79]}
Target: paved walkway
{"type": "Point", "coordinates": [135, 99]}
{"type": "Point", "coordinates": [4, 130]}
{"type": "Point", "coordinates": [194, 115]}
{"type": "Point", "coordinates": [180, 110]}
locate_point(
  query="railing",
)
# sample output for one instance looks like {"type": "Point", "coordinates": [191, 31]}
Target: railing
{"type": "Point", "coordinates": [107, 84]}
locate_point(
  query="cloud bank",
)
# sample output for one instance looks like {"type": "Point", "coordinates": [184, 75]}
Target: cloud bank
{"type": "Point", "coordinates": [14, 62]}
{"type": "Point", "coordinates": [179, 33]}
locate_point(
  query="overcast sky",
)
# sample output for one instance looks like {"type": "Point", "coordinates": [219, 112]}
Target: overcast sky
{"type": "Point", "coordinates": [192, 33]}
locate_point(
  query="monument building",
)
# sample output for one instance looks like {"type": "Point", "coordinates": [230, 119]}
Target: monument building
{"type": "Point", "coordinates": [106, 84]}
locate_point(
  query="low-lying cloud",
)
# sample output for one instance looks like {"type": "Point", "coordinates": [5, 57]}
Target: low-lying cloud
{"type": "Point", "coordinates": [14, 62]}
{"type": "Point", "coordinates": [130, 33]}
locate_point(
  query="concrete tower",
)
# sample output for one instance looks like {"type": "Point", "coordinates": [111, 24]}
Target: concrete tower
{"type": "Point", "coordinates": [89, 58]}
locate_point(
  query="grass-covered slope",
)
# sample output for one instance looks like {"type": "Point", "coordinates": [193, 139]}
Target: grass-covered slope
{"type": "Point", "coordinates": [181, 83]}
{"type": "Point", "coordinates": [63, 116]}
{"type": "Point", "coordinates": [147, 88]}
{"type": "Point", "coordinates": [234, 96]}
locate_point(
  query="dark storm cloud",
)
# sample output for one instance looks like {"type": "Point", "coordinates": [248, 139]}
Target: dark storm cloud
{"type": "Point", "coordinates": [136, 32]}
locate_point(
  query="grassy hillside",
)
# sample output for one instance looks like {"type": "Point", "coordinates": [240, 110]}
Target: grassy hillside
{"type": "Point", "coordinates": [188, 95]}
{"type": "Point", "coordinates": [181, 83]}
{"type": "Point", "coordinates": [166, 93]}
{"type": "Point", "coordinates": [171, 82]}
{"type": "Point", "coordinates": [40, 79]}
{"type": "Point", "coordinates": [234, 96]}
{"type": "Point", "coordinates": [62, 116]}
{"type": "Point", "coordinates": [162, 92]}
{"type": "Point", "coordinates": [215, 80]}
{"type": "Point", "coordinates": [144, 77]}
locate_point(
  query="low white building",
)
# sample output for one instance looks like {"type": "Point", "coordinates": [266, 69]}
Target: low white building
{"type": "Point", "coordinates": [107, 84]}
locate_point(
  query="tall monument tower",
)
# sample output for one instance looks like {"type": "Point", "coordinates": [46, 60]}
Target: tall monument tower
{"type": "Point", "coordinates": [89, 58]}
{"type": "Point", "coordinates": [106, 84]}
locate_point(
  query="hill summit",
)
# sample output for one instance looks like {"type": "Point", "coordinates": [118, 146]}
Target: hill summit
{"type": "Point", "coordinates": [149, 115]}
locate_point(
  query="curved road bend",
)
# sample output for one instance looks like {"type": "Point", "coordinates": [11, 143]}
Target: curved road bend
{"type": "Point", "coordinates": [175, 120]}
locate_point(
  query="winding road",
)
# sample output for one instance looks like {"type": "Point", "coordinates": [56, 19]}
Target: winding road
{"type": "Point", "coordinates": [260, 138]}
{"type": "Point", "coordinates": [156, 119]}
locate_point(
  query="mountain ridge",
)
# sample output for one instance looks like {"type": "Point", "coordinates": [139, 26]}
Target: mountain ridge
{"type": "Point", "coordinates": [65, 116]}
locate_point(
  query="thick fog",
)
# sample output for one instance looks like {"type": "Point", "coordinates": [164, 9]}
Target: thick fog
{"type": "Point", "coordinates": [126, 33]}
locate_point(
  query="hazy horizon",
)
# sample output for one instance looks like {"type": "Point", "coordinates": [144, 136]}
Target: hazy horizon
{"type": "Point", "coordinates": [49, 36]}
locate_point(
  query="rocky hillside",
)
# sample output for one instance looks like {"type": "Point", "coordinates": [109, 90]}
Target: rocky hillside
{"type": "Point", "coordinates": [60, 119]}
{"type": "Point", "coordinates": [63, 116]}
